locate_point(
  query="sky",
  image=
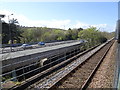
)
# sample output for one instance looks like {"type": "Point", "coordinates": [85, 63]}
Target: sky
{"type": "Point", "coordinates": [64, 15]}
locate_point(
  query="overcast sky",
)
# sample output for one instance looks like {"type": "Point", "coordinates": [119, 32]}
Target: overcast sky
{"type": "Point", "coordinates": [102, 15]}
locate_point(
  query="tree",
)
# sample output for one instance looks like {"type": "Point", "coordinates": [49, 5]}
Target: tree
{"type": "Point", "coordinates": [80, 29]}
{"type": "Point", "coordinates": [12, 28]}
{"type": "Point", "coordinates": [5, 33]}
{"type": "Point", "coordinates": [92, 35]}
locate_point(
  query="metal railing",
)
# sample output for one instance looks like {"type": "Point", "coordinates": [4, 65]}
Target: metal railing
{"type": "Point", "coordinates": [38, 69]}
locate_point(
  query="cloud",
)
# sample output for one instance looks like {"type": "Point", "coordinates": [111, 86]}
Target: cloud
{"type": "Point", "coordinates": [101, 27]}
{"type": "Point", "coordinates": [85, 25]}
{"type": "Point", "coordinates": [54, 23]}
{"type": "Point", "coordinates": [24, 21]}
{"type": "Point", "coordinates": [6, 13]}
{"type": "Point", "coordinates": [80, 24]}
{"type": "Point", "coordinates": [105, 27]}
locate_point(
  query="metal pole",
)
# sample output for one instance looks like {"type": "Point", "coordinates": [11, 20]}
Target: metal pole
{"type": "Point", "coordinates": [10, 34]}
{"type": "Point", "coordinates": [0, 51]}
{"type": "Point", "coordinates": [1, 16]}
{"type": "Point", "coordinates": [0, 35]}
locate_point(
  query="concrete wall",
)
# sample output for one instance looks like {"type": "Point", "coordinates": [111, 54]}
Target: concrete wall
{"type": "Point", "coordinates": [25, 60]}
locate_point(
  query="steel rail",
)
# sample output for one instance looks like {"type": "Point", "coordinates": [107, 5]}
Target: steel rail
{"type": "Point", "coordinates": [44, 73]}
{"type": "Point", "coordinates": [87, 82]}
{"type": "Point", "coordinates": [60, 78]}
{"type": "Point", "coordinates": [36, 69]}
{"type": "Point", "coordinates": [34, 64]}
{"type": "Point", "coordinates": [33, 79]}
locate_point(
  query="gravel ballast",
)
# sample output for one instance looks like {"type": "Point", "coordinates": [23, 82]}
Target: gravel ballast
{"type": "Point", "coordinates": [105, 75]}
{"type": "Point", "coordinates": [77, 79]}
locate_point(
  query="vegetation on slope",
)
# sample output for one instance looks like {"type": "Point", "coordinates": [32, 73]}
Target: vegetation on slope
{"type": "Point", "coordinates": [36, 34]}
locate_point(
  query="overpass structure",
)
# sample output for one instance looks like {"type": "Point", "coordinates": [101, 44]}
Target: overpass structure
{"type": "Point", "coordinates": [40, 56]}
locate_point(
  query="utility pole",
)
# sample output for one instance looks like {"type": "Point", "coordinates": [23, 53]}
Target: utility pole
{"type": "Point", "coordinates": [1, 16]}
{"type": "Point", "coordinates": [10, 33]}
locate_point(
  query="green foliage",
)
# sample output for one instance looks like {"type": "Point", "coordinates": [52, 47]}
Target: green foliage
{"type": "Point", "coordinates": [5, 33]}
{"type": "Point", "coordinates": [92, 35]}
{"type": "Point", "coordinates": [36, 34]}
{"type": "Point", "coordinates": [15, 32]}
{"type": "Point", "coordinates": [108, 35]}
{"type": "Point", "coordinates": [47, 34]}
{"type": "Point", "coordinates": [72, 34]}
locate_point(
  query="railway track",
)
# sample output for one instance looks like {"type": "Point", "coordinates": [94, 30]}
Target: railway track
{"type": "Point", "coordinates": [69, 71]}
{"type": "Point", "coordinates": [68, 80]}
{"type": "Point", "coordinates": [87, 82]}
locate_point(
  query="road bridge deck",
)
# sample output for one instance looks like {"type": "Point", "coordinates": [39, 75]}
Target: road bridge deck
{"type": "Point", "coordinates": [34, 51]}
{"type": "Point", "coordinates": [18, 59]}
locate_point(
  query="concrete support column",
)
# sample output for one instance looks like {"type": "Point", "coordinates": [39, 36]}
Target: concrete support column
{"type": "Point", "coordinates": [65, 54]}
{"type": "Point", "coordinates": [14, 75]}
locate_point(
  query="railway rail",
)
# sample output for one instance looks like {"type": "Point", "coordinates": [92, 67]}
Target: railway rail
{"type": "Point", "coordinates": [87, 82]}
{"type": "Point", "coordinates": [57, 81]}
{"type": "Point", "coordinates": [52, 77]}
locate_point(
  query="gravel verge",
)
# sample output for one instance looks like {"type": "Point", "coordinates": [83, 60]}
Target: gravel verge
{"type": "Point", "coordinates": [105, 75]}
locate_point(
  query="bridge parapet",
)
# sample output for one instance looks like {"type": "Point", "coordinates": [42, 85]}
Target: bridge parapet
{"type": "Point", "coordinates": [21, 59]}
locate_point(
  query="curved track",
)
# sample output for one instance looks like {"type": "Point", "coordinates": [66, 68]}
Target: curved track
{"type": "Point", "coordinates": [81, 75]}
{"type": "Point", "coordinates": [50, 79]}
